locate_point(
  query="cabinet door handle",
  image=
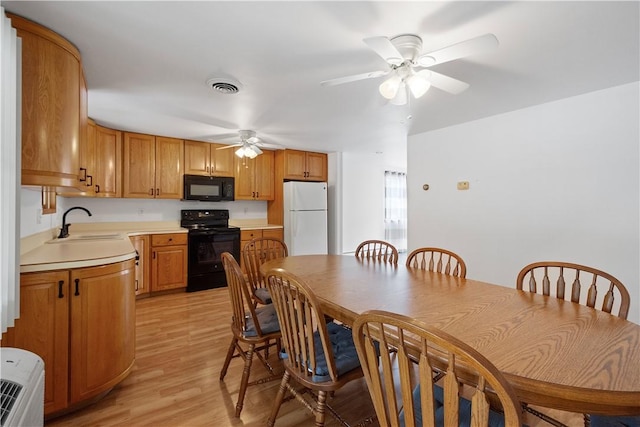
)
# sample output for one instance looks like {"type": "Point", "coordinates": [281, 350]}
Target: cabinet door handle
{"type": "Point", "coordinates": [157, 191]}
{"type": "Point", "coordinates": [257, 194]}
{"type": "Point", "coordinates": [60, 294]}
{"type": "Point", "coordinates": [97, 188]}
{"type": "Point", "coordinates": [77, 287]}
{"type": "Point", "coordinates": [90, 179]}
{"type": "Point", "coordinates": [85, 175]}
{"type": "Point", "coordinates": [151, 192]}
{"type": "Point", "coordinates": [137, 285]}
{"type": "Point", "coordinates": [154, 254]}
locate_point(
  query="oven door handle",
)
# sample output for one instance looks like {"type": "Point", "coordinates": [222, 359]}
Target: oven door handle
{"type": "Point", "coordinates": [214, 233]}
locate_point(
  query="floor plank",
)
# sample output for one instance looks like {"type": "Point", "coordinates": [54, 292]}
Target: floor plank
{"type": "Point", "coordinates": [181, 342]}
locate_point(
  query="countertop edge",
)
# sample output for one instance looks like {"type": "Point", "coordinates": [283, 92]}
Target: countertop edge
{"type": "Point", "coordinates": [67, 265]}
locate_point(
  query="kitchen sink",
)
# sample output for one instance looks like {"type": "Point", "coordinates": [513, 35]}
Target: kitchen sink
{"type": "Point", "coordinates": [88, 237]}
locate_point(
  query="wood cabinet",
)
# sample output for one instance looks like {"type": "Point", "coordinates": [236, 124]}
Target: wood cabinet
{"type": "Point", "coordinates": [254, 178]}
{"type": "Point", "coordinates": [294, 165]}
{"type": "Point", "coordinates": [87, 145]}
{"type": "Point", "coordinates": [102, 340]}
{"type": "Point", "coordinates": [82, 323]}
{"type": "Point", "coordinates": [247, 235]}
{"type": "Point", "coordinates": [209, 159]}
{"type": "Point", "coordinates": [152, 166]}
{"type": "Point", "coordinates": [143, 250]}
{"type": "Point", "coordinates": [108, 164]}
{"type": "Point", "coordinates": [305, 166]}
{"type": "Point", "coordinates": [168, 261]}
{"type": "Point", "coordinates": [51, 106]}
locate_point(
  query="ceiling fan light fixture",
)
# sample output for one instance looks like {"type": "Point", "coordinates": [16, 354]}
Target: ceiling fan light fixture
{"type": "Point", "coordinates": [401, 96]}
{"type": "Point", "coordinates": [418, 85]}
{"type": "Point", "coordinates": [389, 88]}
{"type": "Point", "coordinates": [246, 152]}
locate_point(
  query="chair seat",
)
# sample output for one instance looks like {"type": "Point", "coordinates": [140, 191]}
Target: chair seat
{"type": "Point", "coordinates": [605, 421]}
{"type": "Point", "coordinates": [495, 418]}
{"type": "Point", "coordinates": [344, 352]}
{"type": "Point", "coordinates": [263, 295]}
{"type": "Point", "coordinates": [267, 318]}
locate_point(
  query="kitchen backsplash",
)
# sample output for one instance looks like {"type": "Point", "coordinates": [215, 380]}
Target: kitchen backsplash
{"type": "Point", "coordinates": [122, 210]}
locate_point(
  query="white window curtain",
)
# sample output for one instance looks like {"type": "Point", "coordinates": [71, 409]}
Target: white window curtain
{"type": "Point", "coordinates": [10, 167]}
{"type": "Point", "coordinates": [395, 209]}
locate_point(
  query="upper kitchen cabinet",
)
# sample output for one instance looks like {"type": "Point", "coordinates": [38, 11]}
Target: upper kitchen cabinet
{"type": "Point", "coordinates": [152, 167]}
{"type": "Point", "coordinates": [305, 166]}
{"type": "Point", "coordinates": [108, 164]}
{"type": "Point", "coordinates": [51, 106]}
{"type": "Point", "coordinates": [254, 178]}
{"type": "Point", "coordinates": [209, 159]}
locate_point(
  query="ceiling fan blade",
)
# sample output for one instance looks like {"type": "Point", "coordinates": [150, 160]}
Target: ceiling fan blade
{"type": "Point", "coordinates": [228, 146]}
{"type": "Point", "coordinates": [469, 47]}
{"type": "Point", "coordinates": [385, 49]}
{"type": "Point", "coordinates": [347, 79]}
{"type": "Point", "coordinates": [445, 83]}
{"type": "Point", "coordinates": [256, 149]}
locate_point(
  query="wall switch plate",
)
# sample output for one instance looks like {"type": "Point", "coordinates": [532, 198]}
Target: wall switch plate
{"type": "Point", "coordinates": [463, 185]}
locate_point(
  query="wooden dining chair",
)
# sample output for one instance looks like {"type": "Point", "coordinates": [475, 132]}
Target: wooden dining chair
{"type": "Point", "coordinates": [257, 328]}
{"type": "Point", "coordinates": [576, 283]}
{"type": "Point", "coordinates": [398, 356]}
{"type": "Point", "coordinates": [377, 250]}
{"type": "Point", "coordinates": [319, 356]}
{"type": "Point", "coordinates": [255, 253]}
{"type": "Point", "coordinates": [438, 260]}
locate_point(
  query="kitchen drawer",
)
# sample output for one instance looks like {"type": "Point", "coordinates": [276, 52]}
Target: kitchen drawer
{"type": "Point", "coordinates": [168, 239]}
{"type": "Point", "coordinates": [273, 233]}
{"type": "Point", "coordinates": [250, 234]}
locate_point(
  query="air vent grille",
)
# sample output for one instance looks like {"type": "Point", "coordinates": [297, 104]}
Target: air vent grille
{"type": "Point", "coordinates": [224, 85]}
{"type": "Point", "coordinates": [9, 393]}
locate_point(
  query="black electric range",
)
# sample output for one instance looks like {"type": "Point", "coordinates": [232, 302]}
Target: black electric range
{"type": "Point", "coordinates": [208, 238]}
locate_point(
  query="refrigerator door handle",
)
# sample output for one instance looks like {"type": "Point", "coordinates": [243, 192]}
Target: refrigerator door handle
{"type": "Point", "coordinates": [294, 226]}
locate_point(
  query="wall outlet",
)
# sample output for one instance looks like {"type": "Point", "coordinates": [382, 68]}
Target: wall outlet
{"type": "Point", "coordinates": [140, 211]}
{"type": "Point", "coordinates": [463, 185]}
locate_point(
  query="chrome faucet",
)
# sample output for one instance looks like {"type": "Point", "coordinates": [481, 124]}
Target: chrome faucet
{"type": "Point", "coordinates": [64, 231]}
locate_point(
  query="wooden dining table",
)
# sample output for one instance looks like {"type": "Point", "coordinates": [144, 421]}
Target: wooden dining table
{"type": "Point", "coordinates": [555, 353]}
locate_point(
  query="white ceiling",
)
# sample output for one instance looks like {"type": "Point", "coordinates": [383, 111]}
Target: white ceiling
{"type": "Point", "coordinates": [146, 63]}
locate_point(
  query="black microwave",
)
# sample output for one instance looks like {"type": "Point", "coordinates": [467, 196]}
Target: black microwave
{"type": "Point", "coordinates": [208, 188]}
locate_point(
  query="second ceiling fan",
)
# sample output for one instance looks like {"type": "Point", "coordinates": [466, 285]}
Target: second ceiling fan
{"type": "Point", "coordinates": [409, 68]}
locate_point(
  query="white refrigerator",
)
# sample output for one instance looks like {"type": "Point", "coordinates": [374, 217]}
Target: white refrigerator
{"type": "Point", "coordinates": [305, 217]}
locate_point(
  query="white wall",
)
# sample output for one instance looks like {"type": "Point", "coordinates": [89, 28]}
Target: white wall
{"type": "Point", "coordinates": [362, 181]}
{"type": "Point", "coordinates": [558, 181]}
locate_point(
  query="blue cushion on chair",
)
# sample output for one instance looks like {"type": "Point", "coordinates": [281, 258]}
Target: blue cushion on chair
{"type": "Point", "coordinates": [263, 295]}
{"type": "Point", "coordinates": [495, 419]}
{"type": "Point", "coordinates": [267, 318]}
{"type": "Point", "coordinates": [609, 421]}
{"type": "Point", "coordinates": [344, 352]}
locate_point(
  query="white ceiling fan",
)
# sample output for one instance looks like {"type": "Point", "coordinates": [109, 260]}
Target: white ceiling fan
{"type": "Point", "coordinates": [409, 68]}
{"type": "Point", "coordinates": [247, 146]}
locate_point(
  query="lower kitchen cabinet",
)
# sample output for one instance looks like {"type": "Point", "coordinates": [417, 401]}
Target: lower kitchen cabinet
{"type": "Point", "coordinates": [168, 261]}
{"type": "Point", "coordinates": [142, 247]}
{"type": "Point", "coordinates": [247, 235]}
{"type": "Point", "coordinates": [82, 323]}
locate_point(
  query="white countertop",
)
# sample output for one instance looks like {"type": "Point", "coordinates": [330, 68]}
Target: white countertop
{"type": "Point", "coordinates": [93, 244]}
{"type": "Point", "coordinates": [89, 245]}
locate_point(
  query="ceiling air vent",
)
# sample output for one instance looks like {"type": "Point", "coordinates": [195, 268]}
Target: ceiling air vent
{"type": "Point", "coordinates": [224, 85]}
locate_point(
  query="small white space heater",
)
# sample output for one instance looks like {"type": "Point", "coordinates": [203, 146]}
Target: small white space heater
{"type": "Point", "coordinates": [22, 377]}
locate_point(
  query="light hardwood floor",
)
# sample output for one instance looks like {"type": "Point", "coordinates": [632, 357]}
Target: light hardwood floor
{"type": "Point", "coordinates": [181, 342]}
